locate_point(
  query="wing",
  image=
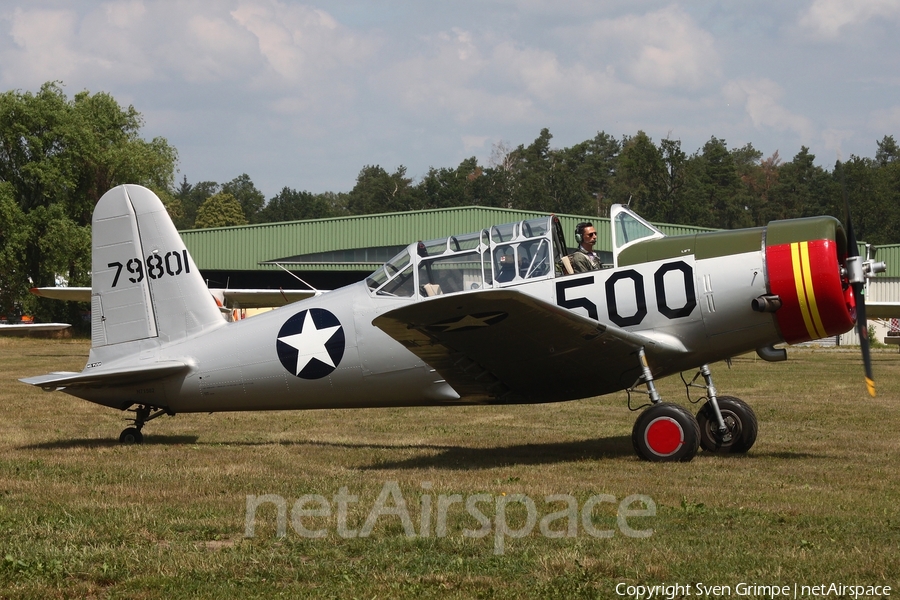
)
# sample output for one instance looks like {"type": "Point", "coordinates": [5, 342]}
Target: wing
{"type": "Point", "coordinates": [109, 377]}
{"type": "Point", "coordinates": [25, 328]}
{"type": "Point", "coordinates": [250, 298]}
{"type": "Point", "coordinates": [74, 294]}
{"type": "Point", "coordinates": [506, 346]}
{"type": "Point", "coordinates": [236, 298]}
{"type": "Point", "coordinates": [882, 310]}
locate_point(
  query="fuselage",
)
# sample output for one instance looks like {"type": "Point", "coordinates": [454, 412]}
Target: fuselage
{"type": "Point", "coordinates": [702, 305]}
{"type": "Point", "coordinates": [697, 297]}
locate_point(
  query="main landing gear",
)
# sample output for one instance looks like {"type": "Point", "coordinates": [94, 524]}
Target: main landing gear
{"type": "Point", "coordinates": [667, 432]}
{"type": "Point", "coordinates": [142, 414]}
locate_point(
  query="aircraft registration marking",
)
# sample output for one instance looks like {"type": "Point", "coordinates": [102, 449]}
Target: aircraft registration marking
{"type": "Point", "coordinates": [630, 278]}
{"type": "Point", "coordinates": [157, 266]}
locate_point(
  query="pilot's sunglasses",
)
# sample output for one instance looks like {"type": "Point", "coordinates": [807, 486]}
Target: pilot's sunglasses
{"type": "Point", "coordinates": [592, 234]}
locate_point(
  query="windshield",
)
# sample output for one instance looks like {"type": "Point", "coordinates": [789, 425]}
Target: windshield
{"type": "Point", "coordinates": [628, 228]}
{"type": "Point", "coordinates": [395, 277]}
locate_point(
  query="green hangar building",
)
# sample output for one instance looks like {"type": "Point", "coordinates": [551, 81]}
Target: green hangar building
{"type": "Point", "coordinates": [330, 253]}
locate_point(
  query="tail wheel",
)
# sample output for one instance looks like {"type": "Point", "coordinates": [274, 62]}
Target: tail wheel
{"type": "Point", "coordinates": [666, 433]}
{"type": "Point", "coordinates": [739, 419]}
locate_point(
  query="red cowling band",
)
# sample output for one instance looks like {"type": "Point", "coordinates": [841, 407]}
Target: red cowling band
{"type": "Point", "coordinates": [817, 301]}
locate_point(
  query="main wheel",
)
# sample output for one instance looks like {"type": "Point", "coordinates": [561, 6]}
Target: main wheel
{"type": "Point", "coordinates": [131, 435]}
{"type": "Point", "coordinates": [666, 433]}
{"type": "Point", "coordinates": [739, 419]}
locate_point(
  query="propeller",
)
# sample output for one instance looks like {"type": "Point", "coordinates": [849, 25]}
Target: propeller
{"type": "Point", "coordinates": [856, 274]}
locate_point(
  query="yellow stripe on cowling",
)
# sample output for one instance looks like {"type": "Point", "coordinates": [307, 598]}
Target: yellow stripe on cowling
{"type": "Point", "coordinates": [801, 292]}
{"type": "Point", "coordinates": [810, 292]}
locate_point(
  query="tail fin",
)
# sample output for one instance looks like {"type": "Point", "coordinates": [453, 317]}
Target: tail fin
{"type": "Point", "coordinates": [145, 285]}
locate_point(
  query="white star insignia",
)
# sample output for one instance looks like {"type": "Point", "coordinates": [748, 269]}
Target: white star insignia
{"type": "Point", "coordinates": [468, 321]}
{"type": "Point", "coordinates": [310, 343]}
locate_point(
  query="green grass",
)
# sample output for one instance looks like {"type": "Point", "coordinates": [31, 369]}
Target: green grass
{"type": "Point", "coordinates": [815, 501]}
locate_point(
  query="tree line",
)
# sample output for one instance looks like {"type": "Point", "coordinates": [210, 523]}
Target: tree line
{"type": "Point", "coordinates": [713, 187]}
{"type": "Point", "coordinates": [59, 155]}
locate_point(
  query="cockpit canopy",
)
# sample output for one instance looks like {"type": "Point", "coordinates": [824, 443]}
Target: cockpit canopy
{"type": "Point", "coordinates": [499, 256]}
{"type": "Point", "coordinates": [496, 257]}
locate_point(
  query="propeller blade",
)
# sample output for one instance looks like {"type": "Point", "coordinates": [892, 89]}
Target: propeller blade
{"type": "Point", "coordinates": [858, 289]}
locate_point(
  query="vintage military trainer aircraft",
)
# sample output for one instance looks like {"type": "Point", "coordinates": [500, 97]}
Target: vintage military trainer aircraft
{"type": "Point", "coordinates": [492, 316]}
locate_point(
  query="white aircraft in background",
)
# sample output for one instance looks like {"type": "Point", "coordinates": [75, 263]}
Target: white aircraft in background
{"type": "Point", "coordinates": [26, 328]}
{"type": "Point", "coordinates": [231, 301]}
{"type": "Point", "coordinates": [492, 316]}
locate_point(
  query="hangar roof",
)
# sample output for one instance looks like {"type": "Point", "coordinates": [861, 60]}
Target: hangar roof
{"type": "Point", "coordinates": [360, 242]}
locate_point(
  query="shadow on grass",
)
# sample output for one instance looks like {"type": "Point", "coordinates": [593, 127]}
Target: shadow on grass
{"type": "Point", "coordinates": [781, 455]}
{"type": "Point", "coordinates": [156, 440]}
{"type": "Point", "coordinates": [458, 457]}
{"type": "Point", "coordinates": [431, 455]}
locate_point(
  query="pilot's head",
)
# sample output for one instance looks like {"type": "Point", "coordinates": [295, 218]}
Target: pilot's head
{"type": "Point", "coordinates": [586, 235]}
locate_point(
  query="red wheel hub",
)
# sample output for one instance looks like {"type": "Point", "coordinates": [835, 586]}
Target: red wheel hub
{"type": "Point", "coordinates": [664, 436]}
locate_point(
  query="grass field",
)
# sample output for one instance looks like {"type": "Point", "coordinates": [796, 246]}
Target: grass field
{"type": "Point", "coordinates": [816, 501]}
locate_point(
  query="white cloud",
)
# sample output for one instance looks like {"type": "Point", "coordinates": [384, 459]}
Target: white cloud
{"type": "Point", "coordinates": [833, 141]}
{"type": "Point", "coordinates": [760, 98]}
{"type": "Point", "coordinates": [298, 94]}
{"type": "Point", "coordinates": [298, 42]}
{"type": "Point", "coordinates": [826, 18]}
{"type": "Point", "coordinates": [452, 74]}
{"type": "Point", "coordinates": [660, 49]}
{"type": "Point", "coordinates": [198, 42]}
{"type": "Point", "coordinates": [40, 47]}
{"type": "Point", "coordinates": [491, 79]}
{"type": "Point", "coordinates": [123, 41]}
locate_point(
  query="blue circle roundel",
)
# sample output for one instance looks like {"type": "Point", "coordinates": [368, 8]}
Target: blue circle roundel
{"type": "Point", "coordinates": [311, 343]}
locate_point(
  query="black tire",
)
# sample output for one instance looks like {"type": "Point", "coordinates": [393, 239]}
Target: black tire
{"type": "Point", "coordinates": [740, 420]}
{"type": "Point", "coordinates": [666, 433]}
{"type": "Point", "coordinates": [131, 435]}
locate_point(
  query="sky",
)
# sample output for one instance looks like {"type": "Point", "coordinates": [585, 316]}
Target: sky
{"type": "Point", "coordinates": [304, 95]}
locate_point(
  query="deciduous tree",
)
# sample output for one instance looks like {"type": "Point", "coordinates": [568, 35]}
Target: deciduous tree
{"type": "Point", "coordinates": [220, 210]}
{"type": "Point", "coordinates": [58, 156]}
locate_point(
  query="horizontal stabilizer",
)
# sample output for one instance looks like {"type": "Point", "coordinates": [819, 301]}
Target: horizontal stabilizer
{"type": "Point", "coordinates": [258, 298]}
{"type": "Point", "coordinates": [231, 298]}
{"type": "Point", "coordinates": [107, 377]}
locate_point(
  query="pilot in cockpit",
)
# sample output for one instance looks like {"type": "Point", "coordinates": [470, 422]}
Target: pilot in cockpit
{"type": "Point", "coordinates": [507, 266]}
{"type": "Point", "coordinates": [584, 258]}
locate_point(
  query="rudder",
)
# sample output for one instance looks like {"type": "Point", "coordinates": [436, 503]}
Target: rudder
{"type": "Point", "coordinates": [145, 284]}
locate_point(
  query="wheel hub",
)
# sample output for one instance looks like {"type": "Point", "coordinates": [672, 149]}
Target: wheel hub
{"type": "Point", "coordinates": [664, 436]}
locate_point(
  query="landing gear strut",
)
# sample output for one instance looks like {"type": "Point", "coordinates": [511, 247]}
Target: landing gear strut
{"type": "Point", "coordinates": [740, 421]}
{"type": "Point", "coordinates": [727, 424]}
{"type": "Point", "coordinates": [142, 414]}
{"type": "Point", "coordinates": [664, 432]}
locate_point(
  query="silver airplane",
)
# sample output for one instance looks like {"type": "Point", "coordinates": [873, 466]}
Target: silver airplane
{"type": "Point", "coordinates": [489, 317]}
